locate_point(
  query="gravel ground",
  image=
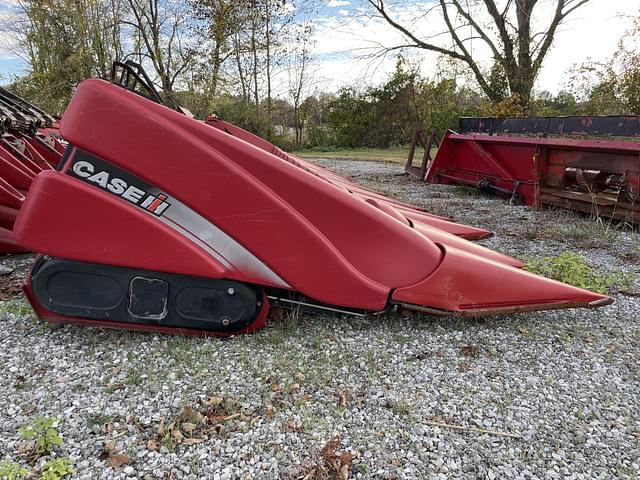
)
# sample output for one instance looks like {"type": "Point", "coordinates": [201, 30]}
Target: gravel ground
{"type": "Point", "coordinates": [540, 395]}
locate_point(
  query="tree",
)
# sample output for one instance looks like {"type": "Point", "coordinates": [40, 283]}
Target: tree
{"type": "Point", "coordinates": [505, 28]}
{"type": "Point", "coordinates": [65, 41]}
{"type": "Point", "coordinates": [611, 87]}
{"type": "Point", "coordinates": [217, 21]}
{"type": "Point", "coordinates": [387, 115]}
{"type": "Point", "coordinates": [626, 63]}
{"type": "Point", "coordinates": [162, 30]}
{"type": "Point", "coordinates": [299, 71]}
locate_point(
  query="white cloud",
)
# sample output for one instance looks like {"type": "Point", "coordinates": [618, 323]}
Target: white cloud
{"type": "Point", "coordinates": [338, 3]}
{"type": "Point", "coordinates": [592, 32]}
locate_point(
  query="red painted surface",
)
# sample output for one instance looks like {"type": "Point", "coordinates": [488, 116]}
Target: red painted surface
{"type": "Point", "coordinates": [413, 213]}
{"type": "Point", "coordinates": [469, 283]}
{"type": "Point", "coordinates": [46, 147]}
{"type": "Point", "coordinates": [278, 212]}
{"type": "Point", "coordinates": [18, 168]}
{"type": "Point", "coordinates": [66, 218]}
{"type": "Point", "coordinates": [8, 243]}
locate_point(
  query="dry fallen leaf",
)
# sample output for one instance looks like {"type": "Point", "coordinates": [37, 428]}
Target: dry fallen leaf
{"type": "Point", "coordinates": [345, 465]}
{"type": "Point", "coordinates": [294, 387]}
{"type": "Point", "coordinates": [160, 427]}
{"type": "Point", "coordinates": [29, 410]}
{"type": "Point", "coordinates": [26, 447]}
{"type": "Point", "coordinates": [153, 445]}
{"type": "Point", "coordinates": [177, 434]}
{"type": "Point", "coordinates": [342, 397]}
{"type": "Point", "coordinates": [20, 382]}
{"type": "Point", "coordinates": [468, 350]}
{"type": "Point", "coordinates": [190, 415]}
{"type": "Point", "coordinates": [294, 426]}
{"type": "Point", "coordinates": [213, 401]}
{"type": "Point", "coordinates": [276, 314]}
{"type": "Point", "coordinates": [464, 367]}
{"type": "Point", "coordinates": [311, 474]}
{"type": "Point", "coordinates": [107, 427]}
{"type": "Point", "coordinates": [192, 441]}
{"type": "Point", "coordinates": [117, 460]}
{"type": "Point", "coordinates": [328, 452]}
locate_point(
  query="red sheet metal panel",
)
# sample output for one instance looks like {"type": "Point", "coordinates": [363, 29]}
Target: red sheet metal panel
{"type": "Point", "coordinates": [597, 176]}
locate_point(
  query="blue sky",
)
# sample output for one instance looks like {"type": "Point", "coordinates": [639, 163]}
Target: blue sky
{"type": "Point", "coordinates": [344, 31]}
{"type": "Point", "coordinates": [11, 66]}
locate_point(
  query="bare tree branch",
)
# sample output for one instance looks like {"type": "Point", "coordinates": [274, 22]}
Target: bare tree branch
{"type": "Point", "coordinates": [379, 6]}
{"type": "Point", "coordinates": [517, 52]}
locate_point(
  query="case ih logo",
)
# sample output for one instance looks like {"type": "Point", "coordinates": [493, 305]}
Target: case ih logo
{"type": "Point", "coordinates": [115, 184]}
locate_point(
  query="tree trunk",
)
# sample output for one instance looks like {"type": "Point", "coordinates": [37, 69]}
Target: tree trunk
{"type": "Point", "coordinates": [268, 60]}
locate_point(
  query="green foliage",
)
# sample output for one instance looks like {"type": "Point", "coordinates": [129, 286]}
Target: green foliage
{"type": "Point", "coordinates": [239, 112]}
{"type": "Point", "coordinates": [67, 41]}
{"type": "Point", "coordinates": [573, 269]}
{"type": "Point", "coordinates": [498, 82]}
{"type": "Point", "coordinates": [547, 105]}
{"type": "Point", "coordinates": [56, 469]}
{"type": "Point", "coordinates": [350, 118]}
{"type": "Point", "coordinates": [384, 116]}
{"type": "Point", "coordinates": [45, 433]}
{"type": "Point", "coordinates": [508, 107]}
{"type": "Point", "coordinates": [318, 136]}
{"type": "Point", "coordinates": [12, 471]}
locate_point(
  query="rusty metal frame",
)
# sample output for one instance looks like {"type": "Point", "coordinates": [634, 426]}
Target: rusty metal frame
{"type": "Point", "coordinates": [428, 143]}
{"type": "Point", "coordinates": [600, 177]}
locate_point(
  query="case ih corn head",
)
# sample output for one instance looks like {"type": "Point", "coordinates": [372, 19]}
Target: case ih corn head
{"type": "Point", "coordinates": [156, 221]}
{"type": "Point", "coordinates": [527, 160]}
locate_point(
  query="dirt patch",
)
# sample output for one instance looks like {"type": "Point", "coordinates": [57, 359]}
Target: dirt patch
{"type": "Point", "coordinates": [13, 273]}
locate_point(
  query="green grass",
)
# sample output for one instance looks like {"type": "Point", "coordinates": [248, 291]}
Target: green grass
{"type": "Point", "coordinates": [388, 155]}
{"type": "Point", "coordinates": [16, 306]}
{"type": "Point", "coordinates": [573, 269]}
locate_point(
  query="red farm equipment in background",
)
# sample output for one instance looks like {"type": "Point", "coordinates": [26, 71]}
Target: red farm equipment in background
{"type": "Point", "coordinates": [29, 144]}
{"type": "Point", "coordinates": [590, 164]}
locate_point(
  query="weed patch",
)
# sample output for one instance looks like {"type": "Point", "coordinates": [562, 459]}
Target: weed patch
{"type": "Point", "coordinates": [56, 469]}
{"type": "Point", "coordinates": [573, 269]}
{"type": "Point", "coordinates": [44, 431]}
{"type": "Point", "coordinates": [12, 471]}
